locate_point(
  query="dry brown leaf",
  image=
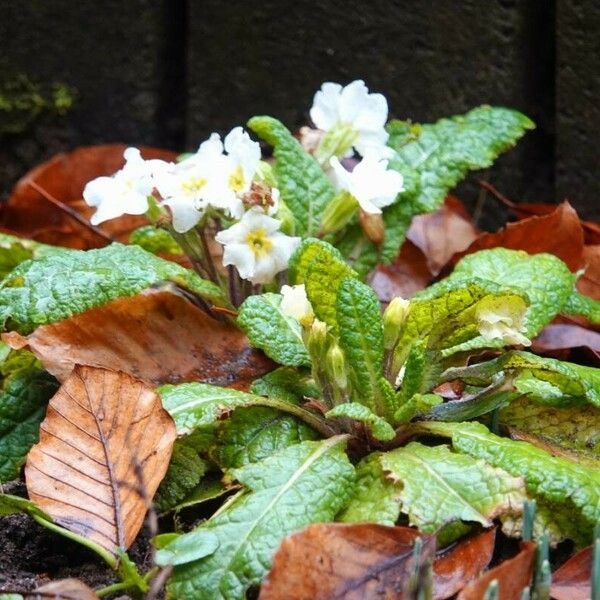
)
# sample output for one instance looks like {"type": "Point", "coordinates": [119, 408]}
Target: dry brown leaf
{"type": "Point", "coordinates": [512, 576]}
{"type": "Point", "coordinates": [443, 233]}
{"type": "Point", "coordinates": [563, 336]}
{"type": "Point", "coordinates": [573, 580]}
{"type": "Point", "coordinates": [28, 214]}
{"type": "Point", "coordinates": [408, 274]}
{"type": "Point", "coordinates": [559, 233]}
{"type": "Point", "coordinates": [589, 282]}
{"type": "Point", "coordinates": [63, 589]}
{"type": "Point", "coordinates": [335, 560]}
{"type": "Point", "coordinates": [156, 336]}
{"type": "Point", "coordinates": [104, 447]}
{"type": "Point", "coordinates": [462, 563]}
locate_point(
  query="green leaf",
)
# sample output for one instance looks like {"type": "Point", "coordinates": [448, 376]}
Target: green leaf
{"type": "Point", "coordinates": [546, 380]}
{"type": "Point", "coordinates": [360, 252]}
{"type": "Point", "coordinates": [554, 480]}
{"type": "Point", "coordinates": [576, 428]}
{"type": "Point", "coordinates": [304, 186]}
{"type": "Point", "coordinates": [305, 483]}
{"type": "Point", "coordinates": [279, 336]}
{"type": "Point", "coordinates": [543, 278]}
{"type": "Point", "coordinates": [252, 434]}
{"type": "Point", "coordinates": [375, 498]}
{"type": "Point", "coordinates": [187, 548]}
{"type": "Point", "coordinates": [56, 287]}
{"type": "Point", "coordinates": [15, 250]}
{"type": "Point", "coordinates": [396, 219]}
{"type": "Point", "coordinates": [443, 153]}
{"type": "Point", "coordinates": [10, 505]}
{"type": "Point", "coordinates": [209, 488]}
{"type": "Point", "coordinates": [360, 325]}
{"type": "Point", "coordinates": [185, 471]}
{"type": "Point", "coordinates": [440, 486]}
{"type": "Point", "coordinates": [379, 427]}
{"type": "Point", "coordinates": [324, 276]}
{"type": "Point", "coordinates": [155, 240]}
{"type": "Point", "coordinates": [421, 371]}
{"type": "Point", "coordinates": [578, 304]}
{"type": "Point", "coordinates": [288, 384]}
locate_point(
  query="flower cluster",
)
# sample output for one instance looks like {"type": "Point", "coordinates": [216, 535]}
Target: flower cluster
{"type": "Point", "coordinates": [227, 190]}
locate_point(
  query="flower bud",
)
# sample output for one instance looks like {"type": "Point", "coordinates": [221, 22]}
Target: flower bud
{"type": "Point", "coordinates": [393, 319]}
{"type": "Point", "coordinates": [338, 212]}
{"type": "Point", "coordinates": [315, 339]}
{"type": "Point", "coordinates": [372, 226]}
{"type": "Point", "coordinates": [336, 366]}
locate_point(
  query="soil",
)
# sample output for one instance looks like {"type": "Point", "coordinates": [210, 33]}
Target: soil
{"type": "Point", "coordinates": [31, 555]}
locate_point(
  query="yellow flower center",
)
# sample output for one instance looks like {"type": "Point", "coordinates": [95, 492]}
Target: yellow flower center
{"type": "Point", "coordinates": [259, 243]}
{"type": "Point", "coordinates": [193, 185]}
{"type": "Point", "coordinates": [236, 180]}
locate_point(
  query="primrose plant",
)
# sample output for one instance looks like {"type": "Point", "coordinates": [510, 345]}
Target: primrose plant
{"type": "Point", "coordinates": [356, 181]}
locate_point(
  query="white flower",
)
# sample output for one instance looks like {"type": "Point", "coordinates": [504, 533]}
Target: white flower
{"type": "Point", "coordinates": [502, 319]}
{"type": "Point", "coordinates": [210, 178]}
{"type": "Point", "coordinates": [371, 182]}
{"type": "Point", "coordinates": [352, 106]}
{"type": "Point", "coordinates": [295, 302]}
{"type": "Point", "coordinates": [126, 192]}
{"type": "Point", "coordinates": [256, 248]}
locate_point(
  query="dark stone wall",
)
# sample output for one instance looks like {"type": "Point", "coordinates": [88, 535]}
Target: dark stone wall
{"type": "Point", "coordinates": [168, 72]}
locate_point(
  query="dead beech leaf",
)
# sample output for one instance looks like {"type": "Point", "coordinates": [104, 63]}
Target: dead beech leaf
{"type": "Point", "coordinates": [334, 560]}
{"type": "Point", "coordinates": [462, 563]}
{"type": "Point", "coordinates": [564, 336]}
{"type": "Point", "coordinates": [156, 336]}
{"type": "Point", "coordinates": [104, 447]}
{"type": "Point", "coordinates": [589, 282]}
{"type": "Point", "coordinates": [559, 233]}
{"type": "Point", "coordinates": [28, 214]}
{"type": "Point", "coordinates": [512, 576]}
{"type": "Point", "coordinates": [63, 589]}
{"type": "Point", "coordinates": [573, 581]}
{"type": "Point", "coordinates": [442, 233]}
{"type": "Point", "coordinates": [407, 274]}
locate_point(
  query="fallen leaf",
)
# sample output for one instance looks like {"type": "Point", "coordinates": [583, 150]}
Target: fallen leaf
{"type": "Point", "coordinates": [589, 282]}
{"type": "Point", "coordinates": [63, 589]}
{"type": "Point", "coordinates": [559, 233]}
{"type": "Point", "coordinates": [104, 447]}
{"type": "Point", "coordinates": [156, 336]}
{"type": "Point", "coordinates": [562, 336]}
{"type": "Point", "coordinates": [512, 576]}
{"type": "Point", "coordinates": [442, 233]}
{"type": "Point", "coordinates": [572, 581]}
{"type": "Point", "coordinates": [404, 277]}
{"type": "Point", "coordinates": [336, 560]}
{"type": "Point", "coordinates": [462, 563]}
{"type": "Point", "coordinates": [28, 213]}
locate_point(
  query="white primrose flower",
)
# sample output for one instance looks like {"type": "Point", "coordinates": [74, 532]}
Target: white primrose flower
{"type": "Point", "coordinates": [256, 247]}
{"type": "Point", "coordinates": [502, 319]}
{"type": "Point", "coordinates": [354, 108]}
{"type": "Point", "coordinates": [295, 302]}
{"type": "Point", "coordinates": [126, 192]}
{"type": "Point", "coordinates": [371, 182]}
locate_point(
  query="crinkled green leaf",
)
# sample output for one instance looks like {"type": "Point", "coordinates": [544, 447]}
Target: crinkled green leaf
{"type": "Point", "coordinates": [322, 276]}
{"type": "Point", "coordinates": [305, 483]}
{"type": "Point", "coordinates": [187, 548]}
{"type": "Point", "coordinates": [304, 255]}
{"type": "Point", "coordinates": [396, 220]}
{"type": "Point", "coordinates": [15, 250]}
{"type": "Point", "coordinates": [286, 383]}
{"type": "Point", "coordinates": [375, 498]}
{"type": "Point", "coordinates": [546, 380]}
{"type": "Point", "coordinates": [24, 394]}
{"type": "Point", "coordinates": [155, 240]}
{"type": "Point", "coordinates": [304, 186]}
{"type": "Point", "coordinates": [443, 153]}
{"type": "Point", "coordinates": [419, 404]}
{"type": "Point", "coordinates": [578, 304]}
{"type": "Point", "coordinates": [360, 327]}
{"type": "Point", "coordinates": [209, 488]}
{"type": "Point", "coordinates": [576, 428]}
{"type": "Point", "coordinates": [185, 471]}
{"type": "Point", "coordinates": [253, 434]}
{"type": "Point", "coordinates": [556, 481]}
{"type": "Point", "coordinates": [421, 371]}
{"type": "Point", "coordinates": [278, 335]}
{"type": "Point", "coordinates": [440, 486]}
{"type": "Point", "coordinates": [543, 278]}
{"type": "Point", "coordinates": [56, 287]}
{"type": "Point", "coordinates": [379, 427]}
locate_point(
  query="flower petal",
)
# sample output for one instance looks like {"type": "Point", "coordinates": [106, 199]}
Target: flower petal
{"type": "Point", "coordinates": [324, 112]}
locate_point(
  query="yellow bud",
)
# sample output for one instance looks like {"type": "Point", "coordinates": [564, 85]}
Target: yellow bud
{"type": "Point", "coordinates": [393, 320]}
{"type": "Point", "coordinates": [336, 366]}
{"type": "Point", "coordinates": [316, 339]}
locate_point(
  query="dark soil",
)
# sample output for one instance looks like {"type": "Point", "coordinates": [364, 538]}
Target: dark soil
{"type": "Point", "coordinates": [31, 555]}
